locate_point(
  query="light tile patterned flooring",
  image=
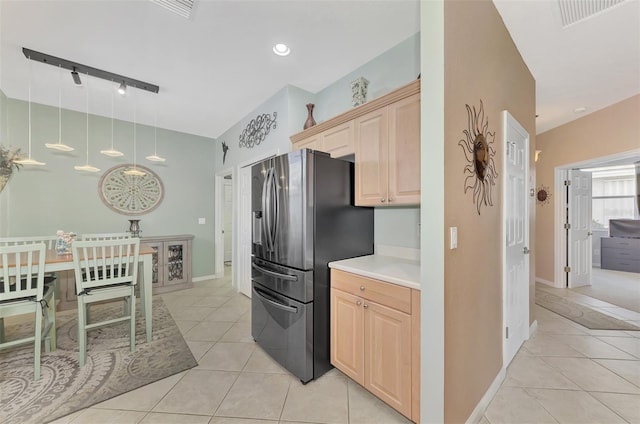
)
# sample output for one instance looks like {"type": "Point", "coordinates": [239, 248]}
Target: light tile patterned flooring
{"type": "Point", "coordinates": [564, 374]}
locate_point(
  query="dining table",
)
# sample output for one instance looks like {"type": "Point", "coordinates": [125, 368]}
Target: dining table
{"type": "Point", "coordinates": [55, 262]}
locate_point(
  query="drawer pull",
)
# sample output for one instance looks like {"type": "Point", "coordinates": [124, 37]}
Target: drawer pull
{"type": "Point", "coordinates": [358, 302]}
{"type": "Point", "coordinates": [361, 288]}
{"type": "Point", "coordinates": [365, 306]}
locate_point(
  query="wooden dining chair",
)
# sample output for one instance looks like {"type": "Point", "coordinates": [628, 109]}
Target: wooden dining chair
{"type": "Point", "coordinates": [105, 236]}
{"type": "Point", "coordinates": [105, 270]}
{"type": "Point", "coordinates": [22, 291]}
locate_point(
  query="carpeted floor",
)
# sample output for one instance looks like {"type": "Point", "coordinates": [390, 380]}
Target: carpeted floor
{"type": "Point", "coordinates": [111, 368]}
{"type": "Point", "coordinates": [615, 287]}
{"type": "Point", "coordinates": [581, 314]}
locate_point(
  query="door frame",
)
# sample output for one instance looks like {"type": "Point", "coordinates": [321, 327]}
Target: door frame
{"type": "Point", "coordinates": [242, 218]}
{"type": "Point", "coordinates": [217, 218]}
{"type": "Point", "coordinates": [509, 120]}
{"type": "Point", "coordinates": [560, 203]}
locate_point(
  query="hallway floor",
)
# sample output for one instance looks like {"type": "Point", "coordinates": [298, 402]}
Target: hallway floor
{"type": "Point", "coordinates": [564, 374]}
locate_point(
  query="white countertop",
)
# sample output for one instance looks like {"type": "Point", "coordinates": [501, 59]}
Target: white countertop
{"type": "Point", "coordinates": [404, 272]}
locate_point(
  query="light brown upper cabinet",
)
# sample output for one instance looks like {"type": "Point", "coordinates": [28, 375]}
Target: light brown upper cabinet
{"type": "Point", "coordinates": [387, 156]}
{"type": "Point", "coordinates": [384, 135]}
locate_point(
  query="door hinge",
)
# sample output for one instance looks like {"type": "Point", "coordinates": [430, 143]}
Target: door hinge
{"type": "Point", "coordinates": [507, 332]}
{"type": "Point", "coordinates": [567, 269]}
{"type": "Point", "coordinates": [567, 226]}
{"type": "Point", "coordinates": [567, 182]}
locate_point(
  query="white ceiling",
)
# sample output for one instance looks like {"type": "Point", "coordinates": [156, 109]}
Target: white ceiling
{"type": "Point", "coordinates": [216, 67]}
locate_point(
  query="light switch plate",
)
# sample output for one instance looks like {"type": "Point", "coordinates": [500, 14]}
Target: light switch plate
{"type": "Point", "coordinates": [202, 221]}
{"type": "Point", "coordinates": [453, 233]}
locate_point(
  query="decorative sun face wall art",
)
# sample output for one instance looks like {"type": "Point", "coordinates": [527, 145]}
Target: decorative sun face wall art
{"type": "Point", "coordinates": [480, 170]}
{"type": "Point", "coordinates": [543, 195]}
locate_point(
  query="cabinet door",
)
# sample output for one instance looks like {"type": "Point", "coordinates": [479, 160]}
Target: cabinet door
{"type": "Point", "coordinates": [371, 140]}
{"type": "Point", "coordinates": [338, 141]}
{"type": "Point", "coordinates": [404, 151]}
{"type": "Point", "coordinates": [347, 334]}
{"type": "Point", "coordinates": [387, 335]}
{"type": "Point", "coordinates": [309, 143]}
{"type": "Point", "coordinates": [157, 264]}
{"type": "Point", "coordinates": [175, 255]}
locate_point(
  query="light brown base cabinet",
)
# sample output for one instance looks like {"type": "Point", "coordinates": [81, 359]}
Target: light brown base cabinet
{"type": "Point", "coordinates": [171, 268]}
{"type": "Point", "coordinates": [375, 338]}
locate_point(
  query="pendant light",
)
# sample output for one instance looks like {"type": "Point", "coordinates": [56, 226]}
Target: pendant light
{"type": "Point", "coordinates": [29, 161]}
{"type": "Point", "coordinates": [86, 167]}
{"type": "Point", "coordinates": [112, 152]}
{"type": "Point", "coordinates": [154, 157]}
{"type": "Point", "coordinates": [59, 145]}
{"type": "Point", "coordinates": [134, 171]}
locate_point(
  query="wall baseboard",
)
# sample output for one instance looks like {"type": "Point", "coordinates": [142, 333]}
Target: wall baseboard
{"type": "Point", "coordinates": [533, 327]}
{"type": "Point", "coordinates": [206, 277]}
{"type": "Point", "coordinates": [546, 282]}
{"type": "Point", "coordinates": [481, 407]}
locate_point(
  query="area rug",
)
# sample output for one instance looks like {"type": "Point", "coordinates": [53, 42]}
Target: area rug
{"type": "Point", "coordinates": [581, 314]}
{"type": "Point", "coordinates": [111, 368]}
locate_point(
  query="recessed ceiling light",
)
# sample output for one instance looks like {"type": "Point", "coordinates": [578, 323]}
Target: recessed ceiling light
{"type": "Point", "coordinates": [580, 109]}
{"type": "Point", "coordinates": [281, 49]}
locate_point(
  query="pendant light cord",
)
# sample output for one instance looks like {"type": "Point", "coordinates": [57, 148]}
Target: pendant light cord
{"type": "Point", "coordinates": [87, 88]}
{"type": "Point", "coordinates": [59, 104]}
{"type": "Point", "coordinates": [30, 78]}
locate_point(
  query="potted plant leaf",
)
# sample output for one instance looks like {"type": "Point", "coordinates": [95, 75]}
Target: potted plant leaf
{"type": "Point", "coordinates": [8, 164]}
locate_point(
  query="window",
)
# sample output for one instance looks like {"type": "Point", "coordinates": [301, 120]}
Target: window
{"type": "Point", "coordinates": [614, 195]}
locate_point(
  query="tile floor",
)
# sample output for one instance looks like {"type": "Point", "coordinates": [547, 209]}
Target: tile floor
{"type": "Point", "coordinates": [564, 374]}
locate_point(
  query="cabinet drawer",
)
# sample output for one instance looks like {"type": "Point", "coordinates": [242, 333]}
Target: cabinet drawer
{"type": "Point", "coordinates": [387, 294]}
{"type": "Point", "coordinates": [619, 243]}
{"type": "Point", "coordinates": [628, 254]}
{"type": "Point", "coordinates": [620, 264]}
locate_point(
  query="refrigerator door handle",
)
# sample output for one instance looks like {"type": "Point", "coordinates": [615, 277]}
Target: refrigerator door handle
{"type": "Point", "coordinates": [274, 204]}
{"type": "Point", "coordinates": [265, 214]}
{"type": "Point", "coordinates": [268, 210]}
{"type": "Point", "coordinates": [275, 274]}
{"type": "Point", "coordinates": [273, 303]}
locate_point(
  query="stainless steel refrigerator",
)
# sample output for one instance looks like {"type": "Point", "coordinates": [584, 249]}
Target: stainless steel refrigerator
{"type": "Point", "coordinates": [303, 218]}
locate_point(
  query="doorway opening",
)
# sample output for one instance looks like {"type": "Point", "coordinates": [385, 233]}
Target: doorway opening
{"type": "Point", "coordinates": [224, 222]}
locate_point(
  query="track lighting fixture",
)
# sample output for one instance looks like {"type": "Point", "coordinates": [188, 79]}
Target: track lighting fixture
{"type": "Point", "coordinates": [78, 68]}
{"type": "Point", "coordinates": [122, 89]}
{"type": "Point", "coordinates": [75, 76]}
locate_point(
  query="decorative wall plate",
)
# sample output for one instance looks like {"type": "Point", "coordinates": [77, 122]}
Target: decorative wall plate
{"type": "Point", "coordinates": [128, 194]}
{"type": "Point", "coordinates": [543, 196]}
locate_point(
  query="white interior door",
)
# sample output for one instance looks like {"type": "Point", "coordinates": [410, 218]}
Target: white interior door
{"type": "Point", "coordinates": [227, 225]}
{"type": "Point", "coordinates": [243, 263]}
{"type": "Point", "coordinates": [516, 236]}
{"type": "Point", "coordinates": [579, 231]}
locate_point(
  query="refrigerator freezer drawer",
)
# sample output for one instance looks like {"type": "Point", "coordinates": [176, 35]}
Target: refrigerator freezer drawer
{"type": "Point", "coordinates": [289, 282]}
{"type": "Point", "coordinates": [284, 329]}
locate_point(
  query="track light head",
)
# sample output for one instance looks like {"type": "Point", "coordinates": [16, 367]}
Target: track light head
{"type": "Point", "coordinates": [76, 77]}
{"type": "Point", "coordinates": [123, 88]}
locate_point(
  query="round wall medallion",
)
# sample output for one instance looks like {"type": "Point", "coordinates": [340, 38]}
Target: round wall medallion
{"type": "Point", "coordinates": [130, 194]}
{"type": "Point", "coordinates": [543, 196]}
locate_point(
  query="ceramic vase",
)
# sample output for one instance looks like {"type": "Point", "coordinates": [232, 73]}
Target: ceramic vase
{"type": "Point", "coordinates": [134, 227]}
{"type": "Point", "coordinates": [310, 122]}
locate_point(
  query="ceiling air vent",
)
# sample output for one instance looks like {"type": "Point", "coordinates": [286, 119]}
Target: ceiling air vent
{"type": "Point", "coordinates": [180, 7]}
{"type": "Point", "coordinates": [572, 11]}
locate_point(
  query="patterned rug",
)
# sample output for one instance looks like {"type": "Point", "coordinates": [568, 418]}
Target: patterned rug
{"type": "Point", "coordinates": [581, 314]}
{"type": "Point", "coordinates": [111, 368]}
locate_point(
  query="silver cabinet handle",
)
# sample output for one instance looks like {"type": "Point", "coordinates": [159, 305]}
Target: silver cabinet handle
{"type": "Point", "coordinates": [365, 306]}
{"type": "Point", "coordinates": [361, 288]}
{"type": "Point", "coordinates": [390, 200]}
{"type": "Point", "coordinates": [382, 200]}
{"type": "Point", "coordinates": [358, 303]}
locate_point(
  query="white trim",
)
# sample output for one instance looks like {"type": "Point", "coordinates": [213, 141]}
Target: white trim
{"type": "Point", "coordinates": [206, 277]}
{"type": "Point", "coordinates": [546, 282]}
{"type": "Point", "coordinates": [533, 328]}
{"type": "Point", "coordinates": [481, 407]}
{"type": "Point", "coordinates": [218, 210]}
{"type": "Point", "coordinates": [237, 242]}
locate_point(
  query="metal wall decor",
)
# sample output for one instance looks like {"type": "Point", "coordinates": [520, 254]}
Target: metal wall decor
{"type": "Point", "coordinates": [543, 196]}
{"type": "Point", "coordinates": [257, 130]}
{"type": "Point", "coordinates": [130, 194]}
{"type": "Point", "coordinates": [480, 170]}
{"type": "Point", "coordinates": [225, 149]}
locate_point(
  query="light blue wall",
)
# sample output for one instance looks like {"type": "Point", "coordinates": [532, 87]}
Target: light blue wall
{"type": "Point", "coordinates": [41, 200]}
{"type": "Point", "coordinates": [398, 66]}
